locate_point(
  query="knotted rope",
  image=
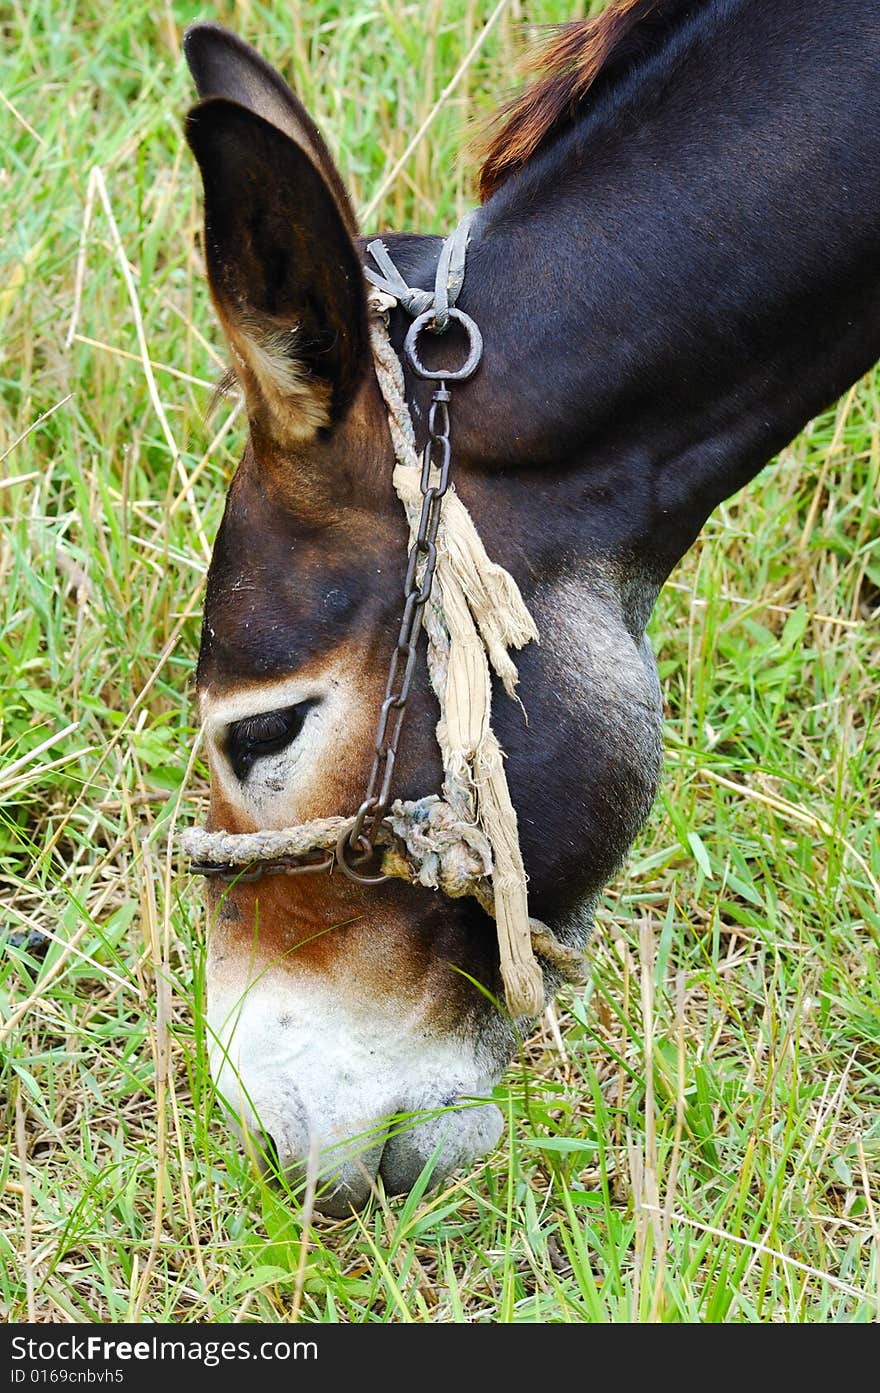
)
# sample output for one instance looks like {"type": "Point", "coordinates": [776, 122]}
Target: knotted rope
{"type": "Point", "coordinates": [465, 842]}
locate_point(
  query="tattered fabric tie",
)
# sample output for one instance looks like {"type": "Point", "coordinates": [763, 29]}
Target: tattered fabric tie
{"type": "Point", "coordinates": [466, 841]}
{"type": "Point", "coordinates": [448, 280]}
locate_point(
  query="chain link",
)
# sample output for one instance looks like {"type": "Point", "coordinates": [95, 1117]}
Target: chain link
{"type": "Point", "coordinates": [417, 586]}
{"type": "Point", "coordinates": [302, 864]}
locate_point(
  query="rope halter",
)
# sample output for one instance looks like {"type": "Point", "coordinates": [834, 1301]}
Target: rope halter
{"type": "Point", "coordinates": [466, 841]}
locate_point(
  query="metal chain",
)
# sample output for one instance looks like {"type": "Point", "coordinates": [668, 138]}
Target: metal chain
{"type": "Point", "coordinates": [434, 483]}
{"type": "Point", "coordinates": [284, 865]}
{"type": "Point", "coordinates": [356, 846]}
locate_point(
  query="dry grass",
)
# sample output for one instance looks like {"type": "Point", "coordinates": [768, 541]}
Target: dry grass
{"type": "Point", "coordinates": [694, 1137]}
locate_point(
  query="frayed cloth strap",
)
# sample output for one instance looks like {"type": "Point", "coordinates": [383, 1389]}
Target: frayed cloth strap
{"type": "Point", "coordinates": [467, 841]}
{"type": "Point", "coordinates": [448, 280]}
{"type": "Point", "coordinates": [478, 615]}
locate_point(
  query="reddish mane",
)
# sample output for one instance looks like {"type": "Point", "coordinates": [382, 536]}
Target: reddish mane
{"type": "Point", "coordinates": [569, 65]}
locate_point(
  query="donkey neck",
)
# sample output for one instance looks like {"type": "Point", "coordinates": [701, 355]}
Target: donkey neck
{"type": "Point", "coordinates": [681, 279]}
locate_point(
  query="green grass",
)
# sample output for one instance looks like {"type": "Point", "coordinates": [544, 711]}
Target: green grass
{"type": "Point", "coordinates": [700, 1138]}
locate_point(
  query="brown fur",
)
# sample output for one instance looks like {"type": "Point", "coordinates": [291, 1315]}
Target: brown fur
{"type": "Point", "coordinates": [570, 64]}
{"type": "Point", "coordinates": [255, 919]}
{"type": "Point", "coordinates": [338, 931]}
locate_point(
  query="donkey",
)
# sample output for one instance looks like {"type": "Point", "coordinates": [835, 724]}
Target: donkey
{"type": "Point", "coordinates": [675, 265]}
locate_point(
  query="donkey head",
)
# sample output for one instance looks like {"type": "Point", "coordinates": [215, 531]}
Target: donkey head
{"type": "Point", "coordinates": [669, 286]}
{"type": "Point", "coordinates": [333, 1008]}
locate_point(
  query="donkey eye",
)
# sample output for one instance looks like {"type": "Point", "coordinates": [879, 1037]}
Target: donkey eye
{"type": "Point", "coordinates": [265, 734]}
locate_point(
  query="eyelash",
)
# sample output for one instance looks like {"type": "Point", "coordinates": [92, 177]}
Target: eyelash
{"type": "Point", "coordinates": [267, 733]}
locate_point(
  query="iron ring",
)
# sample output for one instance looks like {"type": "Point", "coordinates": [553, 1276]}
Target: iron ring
{"type": "Point", "coordinates": [343, 846]}
{"type": "Point", "coordinates": [475, 347]}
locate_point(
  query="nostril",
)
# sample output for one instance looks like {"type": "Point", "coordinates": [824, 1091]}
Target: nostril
{"type": "Point", "coordinates": [278, 1163]}
{"type": "Point", "coordinates": [269, 1154]}
{"type": "Point", "coordinates": [451, 1139]}
{"type": "Point", "coordinates": [334, 1170]}
{"type": "Point", "coordinates": [277, 1167]}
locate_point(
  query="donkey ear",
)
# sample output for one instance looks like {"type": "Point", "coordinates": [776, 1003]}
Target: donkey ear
{"type": "Point", "coordinates": [284, 273]}
{"type": "Point", "coordinates": [223, 65]}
